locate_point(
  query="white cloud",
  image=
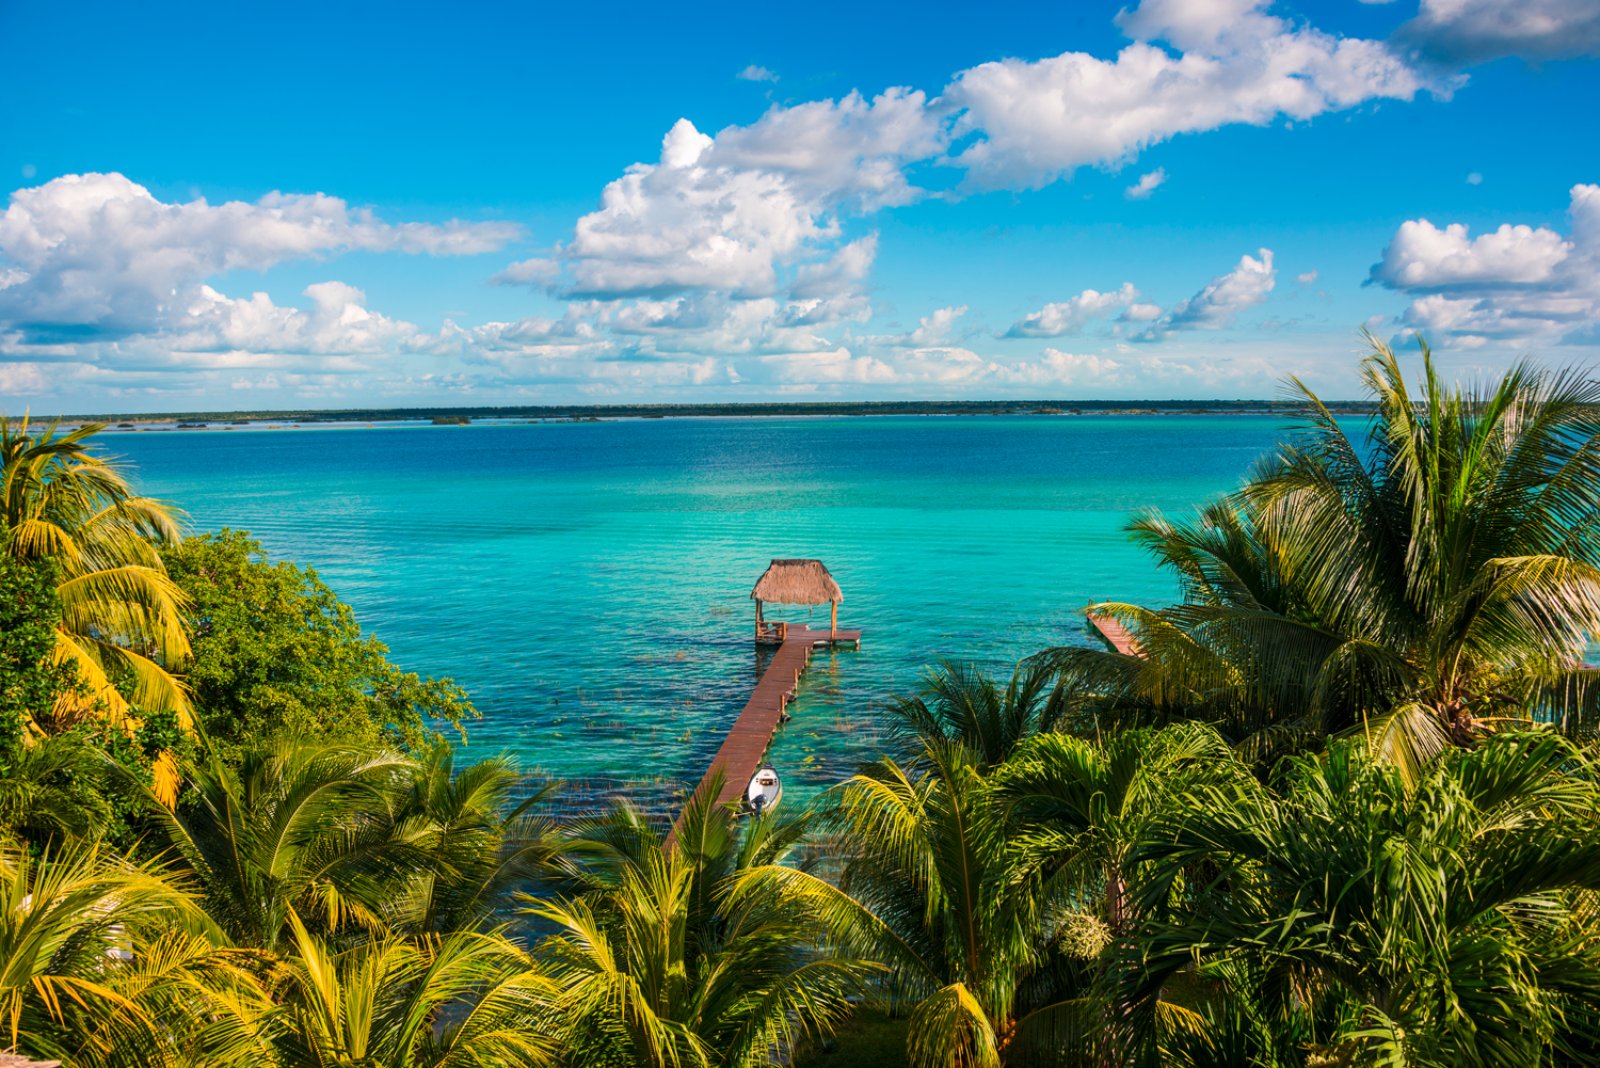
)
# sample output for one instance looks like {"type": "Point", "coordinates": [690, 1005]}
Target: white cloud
{"type": "Point", "coordinates": [760, 206]}
{"type": "Point", "coordinates": [22, 380]}
{"type": "Point", "coordinates": [97, 253]}
{"type": "Point", "coordinates": [1514, 283]}
{"type": "Point", "coordinates": [1038, 121]}
{"type": "Point", "coordinates": [935, 329]}
{"type": "Point", "coordinates": [338, 322]}
{"type": "Point", "coordinates": [1464, 32]}
{"type": "Point", "coordinates": [756, 73]}
{"type": "Point", "coordinates": [844, 272]}
{"type": "Point", "coordinates": [1147, 184]}
{"type": "Point", "coordinates": [1308, 278]}
{"type": "Point", "coordinates": [736, 212]}
{"type": "Point", "coordinates": [1073, 314]}
{"type": "Point", "coordinates": [1223, 298]}
{"type": "Point", "coordinates": [1422, 256]}
{"type": "Point", "coordinates": [1474, 178]}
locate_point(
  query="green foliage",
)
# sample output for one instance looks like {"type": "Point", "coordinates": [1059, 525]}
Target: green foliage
{"type": "Point", "coordinates": [1355, 917]}
{"type": "Point", "coordinates": [119, 615]}
{"type": "Point", "coordinates": [1424, 587]}
{"type": "Point", "coordinates": [347, 838]}
{"type": "Point", "coordinates": [108, 964]}
{"type": "Point", "coordinates": [276, 652]}
{"type": "Point", "coordinates": [465, 999]}
{"type": "Point", "coordinates": [30, 680]}
{"type": "Point", "coordinates": [693, 955]}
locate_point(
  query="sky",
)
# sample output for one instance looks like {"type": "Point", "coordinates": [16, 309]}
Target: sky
{"type": "Point", "coordinates": [247, 207]}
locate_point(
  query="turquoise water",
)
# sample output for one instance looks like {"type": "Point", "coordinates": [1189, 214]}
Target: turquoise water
{"type": "Point", "coordinates": [588, 583]}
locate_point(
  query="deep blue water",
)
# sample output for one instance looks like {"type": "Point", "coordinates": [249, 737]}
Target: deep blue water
{"type": "Point", "coordinates": [588, 583]}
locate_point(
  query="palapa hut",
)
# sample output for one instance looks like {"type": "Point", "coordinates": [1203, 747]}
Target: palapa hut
{"type": "Point", "coordinates": [13, 1060]}
{"type": "Point", "coordinates": [794, 582]}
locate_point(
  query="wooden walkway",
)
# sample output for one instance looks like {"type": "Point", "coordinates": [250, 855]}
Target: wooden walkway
{"type": "Point", "coordinates": [1114, 633]}
{"type": "Point", "coordinates": [745, 747]}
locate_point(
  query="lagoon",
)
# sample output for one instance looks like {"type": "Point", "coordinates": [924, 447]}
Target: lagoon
{"type": "Point", "coordinates": [588, 583]}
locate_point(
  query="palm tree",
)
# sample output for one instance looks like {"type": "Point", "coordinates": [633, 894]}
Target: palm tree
{"type": "Point", "coordinates": [1349, 917]}
{"type": "Point", "coordinates": [297, 827]}
{"type": "Point", "coordinates": [1427, 585]}
{"type": "Point", "coordinates": [121, 615]}
{"type": "Point", "coordinates": [960, 705]}
{"type": "Point", "coordinates": [108, 964]}
{"type": "Point", "coordinates": [460, 1000]}
{"type": "Point", "coordinates": [482, 846]}
{"type": "Point", "coordinates": [683, 956]}
{"type": "Point", "coordinates": [981, 945]}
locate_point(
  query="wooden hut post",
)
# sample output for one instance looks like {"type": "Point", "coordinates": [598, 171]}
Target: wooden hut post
{"type": "Point", "coordinates": [758, 618]}
{"type": "Point", "coordinates": [833, 623]}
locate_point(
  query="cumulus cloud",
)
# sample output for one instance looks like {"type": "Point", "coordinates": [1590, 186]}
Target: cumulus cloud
{"type": "Point", "coordinates": [1422, 256]}
{"type": "Point", "coordinates": [1222, 299]}
{"type": "Point", "coordinates": [1073, 314]}
{"type": "Point", "coordinates": [338, 322]}
{"type": "Point", "coordinates": [934, 329]}
{"type": "Point", "coordinates": [1515, 283]}
{"type": "Point", "coordinates": [845, 272]}
{"type": "Point", "coordinates": [757, 207]}
{"type": "Point", "coordinates": [734, 212]}
{"type": "Point", "coordinates": [756, 73]}
{"type": "Point", "coordinates": [1307, 278]}
{"type": "Point", "coordinates": [98, 255]}
{"type": "Point", "coordinates": [1464, 32]}
{"type": "Point", "coordinates": [1034, 122]}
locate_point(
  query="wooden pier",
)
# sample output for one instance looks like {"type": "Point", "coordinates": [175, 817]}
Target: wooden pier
{"type": "Point", "coordinates": [1113, 632]}
{"type": "Point", "coordinates": [745, 747]}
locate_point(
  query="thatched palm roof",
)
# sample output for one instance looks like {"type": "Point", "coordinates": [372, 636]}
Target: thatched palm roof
{"type": "Point", "coordinates": [12, 1060]}
{"type": "Point", "coordinates": [797, 582]}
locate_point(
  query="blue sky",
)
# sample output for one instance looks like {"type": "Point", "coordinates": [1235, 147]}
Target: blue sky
{"type": "Point", "coordinates": [336, 205]}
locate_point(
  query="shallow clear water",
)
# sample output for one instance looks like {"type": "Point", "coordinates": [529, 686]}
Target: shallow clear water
{"type": "Point", "coordinates": [588, 583]}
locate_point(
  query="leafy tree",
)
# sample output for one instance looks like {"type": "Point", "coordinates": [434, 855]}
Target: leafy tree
{"type": "Point", "coordinates": [1427, 586]}
{"type": "Point", "coordinates": [1351, 918]}
{"type": "Point", "coordinates": [684, 955]}
{"type": "Point", "coordinates": [121, 617]}
{"type": "Point", "coordinates": [31, 679]}
{"type": "Point", "coordinates": [276, 652]}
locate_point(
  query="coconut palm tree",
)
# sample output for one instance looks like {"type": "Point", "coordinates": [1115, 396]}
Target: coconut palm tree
{"type": "Point", "coordinates": [121, 616]}
{"type": "Point", "coordinates": [108, 964]}
{"type": "Point", "coordinates": [982, 948]}
{"type": "Point", "coordinates": [1352, 918]}
{"type": "Point", "coordinates": [483, 847]}
{"type": "Point", "coordinates": [999, 895]}
{"type": "Point", "coordinates": [960, 705]}
{"type": "Point", "coordinates": [682, 956]}
{"type": "Point", "coordinates": [297, 827]}
{"type": "Point", "coordinates": [460, 1000]}
{"type": "Point", "coordinates": [1425, 585]}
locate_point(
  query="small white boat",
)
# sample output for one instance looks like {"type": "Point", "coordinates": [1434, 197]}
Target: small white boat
{"type": "Point", "coordinates": [764, 791]}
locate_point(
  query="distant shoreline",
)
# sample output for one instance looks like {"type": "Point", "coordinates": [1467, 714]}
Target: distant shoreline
{"type": "Point", "coordinates": [215, 420]}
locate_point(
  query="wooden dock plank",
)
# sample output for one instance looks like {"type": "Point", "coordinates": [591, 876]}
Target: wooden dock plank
{"type": "Point", "coordinates": [745, 747]}
{"type": "Point", "coordinates": [1114, 633]}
